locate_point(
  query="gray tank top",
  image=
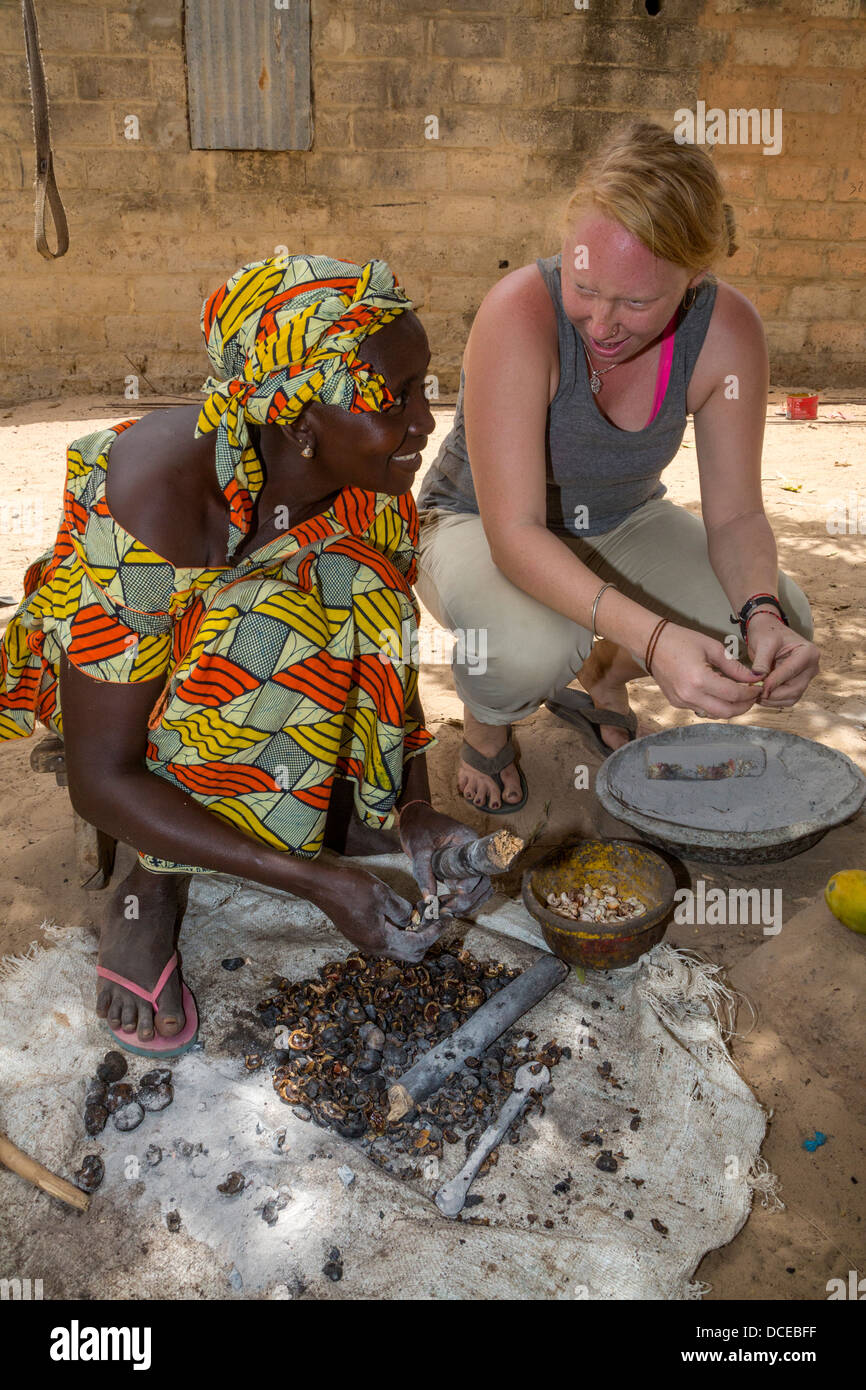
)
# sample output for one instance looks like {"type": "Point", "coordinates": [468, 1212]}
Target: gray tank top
{"type": "Point", "coordinates": [597, 474]}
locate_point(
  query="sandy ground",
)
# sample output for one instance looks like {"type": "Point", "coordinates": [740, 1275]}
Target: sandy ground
{"type": "Point", "coordinates": [803, 1056]}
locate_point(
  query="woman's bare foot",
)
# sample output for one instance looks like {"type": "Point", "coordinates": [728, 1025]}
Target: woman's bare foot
{"type": "Point", "coordinates": [477, 787]}
{"type": "Point", "coordinates": [604, 676]}
{"type": "Point", "coordinates": [142, 922]}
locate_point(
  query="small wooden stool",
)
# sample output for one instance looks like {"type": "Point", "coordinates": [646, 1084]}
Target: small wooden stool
{"type": "Point", "coordinates": [94, 849]}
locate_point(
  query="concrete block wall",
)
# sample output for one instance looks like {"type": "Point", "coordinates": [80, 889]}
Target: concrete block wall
{"type": "Point", "coordinates": [521, 89]}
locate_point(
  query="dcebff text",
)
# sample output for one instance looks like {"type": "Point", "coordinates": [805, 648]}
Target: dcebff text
{"type": "Point", "coordinates": [727, 1333]}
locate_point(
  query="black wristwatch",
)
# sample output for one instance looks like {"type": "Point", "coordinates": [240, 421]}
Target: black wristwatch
{"type": "Point", "coordinates": [748, 608]}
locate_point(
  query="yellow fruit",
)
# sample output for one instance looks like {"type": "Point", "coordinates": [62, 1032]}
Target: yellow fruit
{"type": "Point", "coordinates": [846, 898]}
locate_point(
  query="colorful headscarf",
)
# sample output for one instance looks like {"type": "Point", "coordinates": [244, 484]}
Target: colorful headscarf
{"type": "Point", "coordinates": [280, 333]}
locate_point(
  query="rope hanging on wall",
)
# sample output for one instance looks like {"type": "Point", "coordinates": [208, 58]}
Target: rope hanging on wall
{"type": "Point", "coordinates": [46, 186]}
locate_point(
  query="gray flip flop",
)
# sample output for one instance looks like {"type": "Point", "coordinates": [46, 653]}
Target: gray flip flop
{"type": "Point", "coordinates": [492, 767]}
{"type": "Point", "coordinates": [575, 707]}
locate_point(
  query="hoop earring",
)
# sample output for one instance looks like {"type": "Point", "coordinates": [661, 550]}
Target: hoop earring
{"type": "Point", "coordinates": [687, 303]}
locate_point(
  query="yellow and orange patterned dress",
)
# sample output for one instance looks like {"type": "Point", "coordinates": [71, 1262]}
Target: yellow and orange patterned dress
{"type": "Point", "coordinates": [280, 670]}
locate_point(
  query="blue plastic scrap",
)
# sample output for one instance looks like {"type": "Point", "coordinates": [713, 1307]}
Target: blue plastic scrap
{"type": "Point", "coordinates": [815, 1142]}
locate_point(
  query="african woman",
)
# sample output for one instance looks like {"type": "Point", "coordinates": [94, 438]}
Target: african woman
{"type": "Point", "coordinates": [208, 632]}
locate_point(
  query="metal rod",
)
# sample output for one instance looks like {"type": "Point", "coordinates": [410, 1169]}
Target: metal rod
{"type": "Point", "coordinates": [476, 1034]}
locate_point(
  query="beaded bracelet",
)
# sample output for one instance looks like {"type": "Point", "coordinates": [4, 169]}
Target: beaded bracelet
{"type": "Point", "coordinates": [757, 601]}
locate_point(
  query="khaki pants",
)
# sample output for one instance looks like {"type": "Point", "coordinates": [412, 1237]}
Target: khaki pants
{"type": "Point", "coordinates": [657, 556]}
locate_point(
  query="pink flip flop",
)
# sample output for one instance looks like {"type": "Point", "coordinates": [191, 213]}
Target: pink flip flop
{"type": "Point", "coordinates": [157, 1045]}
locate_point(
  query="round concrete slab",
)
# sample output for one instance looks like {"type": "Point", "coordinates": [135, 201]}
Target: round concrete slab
{"type": "Point", "coordinates": [804, 790]}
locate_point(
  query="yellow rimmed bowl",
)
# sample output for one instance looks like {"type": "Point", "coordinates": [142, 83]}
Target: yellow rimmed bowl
{"type": "Point", "coordinates": [631, 869]}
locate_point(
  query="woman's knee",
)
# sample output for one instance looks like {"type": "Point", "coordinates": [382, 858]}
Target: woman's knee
{"type": "Point", "coordinates": [507, 671]}
{"type": "Point", "coordinates": [457, 581]}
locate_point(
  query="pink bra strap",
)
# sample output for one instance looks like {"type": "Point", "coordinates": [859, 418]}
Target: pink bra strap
{"type": "Point", "coordinates": [151, 996]}
{"type": "Point", "coordinates": [663, 375]}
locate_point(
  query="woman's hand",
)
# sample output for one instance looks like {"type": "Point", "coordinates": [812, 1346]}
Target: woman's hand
{"type": "Point", "coordinates": [786, 661]}
{"type": "Point", "coordinates": [695, 672]}
{"type": "Point", "coordinates": [370, 914]}
{"type": "Point", "coordinates": [422, 831]}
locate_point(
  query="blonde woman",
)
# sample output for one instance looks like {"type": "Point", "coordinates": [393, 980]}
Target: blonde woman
{"type": "Point", "coordinates": [544, 520]}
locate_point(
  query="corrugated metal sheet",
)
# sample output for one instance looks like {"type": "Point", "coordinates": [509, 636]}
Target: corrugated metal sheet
{"type": "Point", "coordinates": [248, 74]}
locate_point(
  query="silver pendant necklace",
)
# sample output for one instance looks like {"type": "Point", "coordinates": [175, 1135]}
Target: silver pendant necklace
{"type": "Point", "coordinates": [595, 378]}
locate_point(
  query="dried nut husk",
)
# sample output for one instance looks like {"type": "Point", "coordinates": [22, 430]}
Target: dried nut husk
{"type": "Point", "coordinates": [91, 1173]}
{"type": "Point", "coordinates": [369, 1060]}
{"type": "Point", "coordinates": [119, 1094]}
{"type": "Point", "coordinates": [329, 1110]}
{"type": "Point", "coordinates": [158, 1077]}
{"type": "Point", "coordinates": [372, 1083]}
{"type": "Point", "coordinates": [95, 1119]}
{"type": "Point", "coordinates": [113, 1067]}
{"type": "Point", "coordinates": [234, 1183]}
{"type": "Point", "coordinates": [352, 1125]}
{"type": "Point", "coordinates": [128, 1117]}
{"type": "Point", "coordinates": [606, 1162]}
{"type": "Point", "coordinates": [155, 1098]}
{"type": "Point", "coordinates": [289, 1091]}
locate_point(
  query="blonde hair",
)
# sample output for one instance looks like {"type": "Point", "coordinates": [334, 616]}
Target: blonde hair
{"type": "Point", "coordinates": [667, 195]}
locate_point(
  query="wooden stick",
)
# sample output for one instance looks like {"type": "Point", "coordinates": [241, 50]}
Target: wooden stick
{"type": "Point", "coordinates": [476, 1034]}
{"type": "Point", "coordinates": [18, 1162]}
